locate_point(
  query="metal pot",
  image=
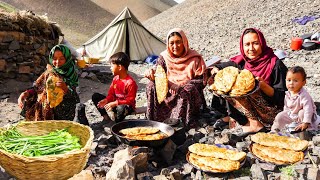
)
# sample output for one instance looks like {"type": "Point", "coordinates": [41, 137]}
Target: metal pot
{"type": "Point", "coordinates": [303, 135]}
{"type": "Point", "coordinates": [115, 129]}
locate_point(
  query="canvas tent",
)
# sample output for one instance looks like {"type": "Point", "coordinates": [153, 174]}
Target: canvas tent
{"type": "Point", "coordinates": [125, 33]}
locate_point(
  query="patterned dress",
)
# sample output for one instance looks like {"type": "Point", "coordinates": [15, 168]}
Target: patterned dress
{"type": "Point", "coordinates": [184, 105]}
{"type": "Point", "coordinates": [37, 108]}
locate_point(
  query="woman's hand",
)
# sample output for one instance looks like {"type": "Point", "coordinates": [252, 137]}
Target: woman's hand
{"type": "Point", "coordinates": [265, 87]}
{"type": "Point", "coordinates": [149, 74]}
{"type": "Point", "coordinates": [49, 67]}
{"type": "Point", "coordinates": [110, 105]}
{"type": "Point", "coordinates": [173, 88]}
{"type": "Point", "coordinates": [23, 96]}
{"type": "Point", "coordinates": [63, 86]}
{"type": "Point", "coordinates": [213, 72]}
{"type": "Point", "coordinates": [302, 127]}
{"type": "Point", "coordinates": [102, 103]}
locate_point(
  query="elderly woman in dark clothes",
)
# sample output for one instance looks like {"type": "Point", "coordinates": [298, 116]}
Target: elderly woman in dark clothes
{"type": "Point", "coordinates": [255, 112]}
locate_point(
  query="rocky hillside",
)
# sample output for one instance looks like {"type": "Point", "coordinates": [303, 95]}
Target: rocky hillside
{"type": "Point", "coordinates": [142, 9]}
{"type": "Point", "coordinates": [214, 28]}
{"type": "Point", "coordinates": [82, 19]}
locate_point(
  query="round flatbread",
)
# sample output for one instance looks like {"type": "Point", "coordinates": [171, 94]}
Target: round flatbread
{"type": "Point", "coordinates": [245, 83]}
{"type": "Point", "coordinates": [139, 131]}
{"type": "Point", "coordinates": [161, 82]}
{"type": "Point", "coordinates": [213, 164]}
{"type": "Point", "coordinates": [217, 152]}
{"type": "Point", "coordinates": [275, 140]}
{"type": "Point", "coordinates": [54, 94]}
{"type": "Point", "coordinates": [277, 155]}
{"type": "Point", "coordinates": [224, 80]}
{"type": "Point", "coordinates": [148, 137]}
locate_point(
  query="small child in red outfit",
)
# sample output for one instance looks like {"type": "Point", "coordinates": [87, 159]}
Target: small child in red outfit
{"type": "Point", "coordinates": [120, 100]}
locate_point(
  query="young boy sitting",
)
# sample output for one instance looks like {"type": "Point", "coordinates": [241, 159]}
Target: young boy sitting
{"type": "Point", "coordinates": [298, 104]}
{"type": "Point", "coordinates": [120, 100]}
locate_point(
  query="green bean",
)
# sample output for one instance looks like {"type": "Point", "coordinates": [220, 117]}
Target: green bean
{"type": "Point", "coordinates": [56, 142]}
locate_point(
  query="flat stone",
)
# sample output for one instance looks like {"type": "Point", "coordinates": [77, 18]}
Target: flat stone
{"type": "Point", "coordinates": [301, 168]}
{"type": "Point", "coordinates": [242, 146]}
{"type": "Point", "coordinates": [211, 140]}
{"type": "Point", "coordinates": [313, 174]}
{"type": "Point", "coordinates": [209, 129]}
{"type": "Point", "coordinates": [187, 169]}
{"type": "Point", "coordinates": [197, 136]}
{"type": "Point", "coordinates": [203, 140]}
{"type": "Point", "coordinates": [192, 132]}
{"type": "Point", "coordinates": [168, 151]}
{"type": "Point", "coordinates": [144, 176]}
{"type": "Point", "coordinates": [14, 45]}
{"type": "Point", "coordinates": [316, 140]}
{"type": "Point", "coordinates": [176, 175]}
{"type": "Point", "coordinates": [165, 172]}
{"type": "Point", "coordinates": [3, 64]}
{"type": "Point", "coordinates": [243, 178]}
{"type": "Point", "coordinates": [203, 131]}
{"type": "Point", "coordinates": [224, 139]}
{"type": "Point", "coordinates": [268, 166]}
{"type": "Point", "coordinates": [84, 74]}
{"type": "Point", "coordinates": [24, 69]}
{"type": "Point", "coordinates": [316, 150]}
{"type": "Point", "coordinates": [155, 164]}
{"type": "Point", "coordinates": [84, 174]}
{"type": "Point", "coordinates": [160, 177]}
{"type": "Point", "coordinates": [198, 175]}
{"type": "Point", "coordinates": [93, 148]}
{"type": "Point", "coordinates": [184, 147]}
{"type": "Point", "coordinates": [257, 172]}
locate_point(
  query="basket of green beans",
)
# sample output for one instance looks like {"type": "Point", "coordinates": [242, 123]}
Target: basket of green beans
{"type": "Point", "coordinates": [45, 149]}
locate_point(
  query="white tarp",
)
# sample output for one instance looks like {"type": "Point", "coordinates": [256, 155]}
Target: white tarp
{"type": "Point", "coordinates": [125, 33]}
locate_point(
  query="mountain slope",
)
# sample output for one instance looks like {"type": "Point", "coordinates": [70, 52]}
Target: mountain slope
{"type": "Point", "coordinates": [74, 16]}
{"type": "Point", "coordinates": [214, 26]}
{"type": "Point", "coordinates": [142, 9]}
{"type": "Point", "coordinates": [82, 19]}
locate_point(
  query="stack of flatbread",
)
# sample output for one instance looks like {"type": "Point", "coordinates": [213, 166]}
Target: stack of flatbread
{"type": "Point", "coordinates": [143, 133]}
{"type": "Point", "coordinates": [161, 82]}
{"type": "Point", "coordinates": [213, 158]}
{"type": "Point", "coordinates": [229, 80]}
{"type": "Point", "coordinates": [278, 149]}
{"type": "Point", "coordinates": [54, 93]}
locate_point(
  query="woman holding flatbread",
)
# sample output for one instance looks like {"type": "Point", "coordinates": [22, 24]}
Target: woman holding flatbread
{"type": "Point", "coordinates": [53, 95]}
{"type": "Point", "coordinates": [176, 86]}
{"type": "Point", "coordinates": [255, 112]}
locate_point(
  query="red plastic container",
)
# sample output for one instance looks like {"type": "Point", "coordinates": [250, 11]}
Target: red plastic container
{"type": "Point", "coordinates": [296, 43]}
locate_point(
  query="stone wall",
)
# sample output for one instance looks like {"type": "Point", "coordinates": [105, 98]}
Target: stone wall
{"type": "Point", "coordinates": [25, 43]}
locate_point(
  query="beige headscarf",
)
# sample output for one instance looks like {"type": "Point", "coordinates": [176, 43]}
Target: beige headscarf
{"type": "Point", "coordinates": [182, 69]}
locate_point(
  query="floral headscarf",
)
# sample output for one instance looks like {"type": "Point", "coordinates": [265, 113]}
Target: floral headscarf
{"type": "Point", "coordinates": [68, 71]}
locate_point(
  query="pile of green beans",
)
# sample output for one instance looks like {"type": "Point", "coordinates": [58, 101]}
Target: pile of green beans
{"type": "Point", "coordinates": [56, 142]}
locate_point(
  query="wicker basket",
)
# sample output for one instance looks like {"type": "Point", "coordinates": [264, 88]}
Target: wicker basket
{"type": "Point", "coordinates": [62, 166]}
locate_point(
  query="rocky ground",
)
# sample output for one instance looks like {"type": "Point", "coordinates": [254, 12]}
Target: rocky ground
{"type": "Point", "coordinates": [213, 28]}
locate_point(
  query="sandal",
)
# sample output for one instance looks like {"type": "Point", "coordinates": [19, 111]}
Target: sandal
{"type": "Point", "coordinates": [241, 135]}
{"type": "Point", "coordinates": [220, 124]}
